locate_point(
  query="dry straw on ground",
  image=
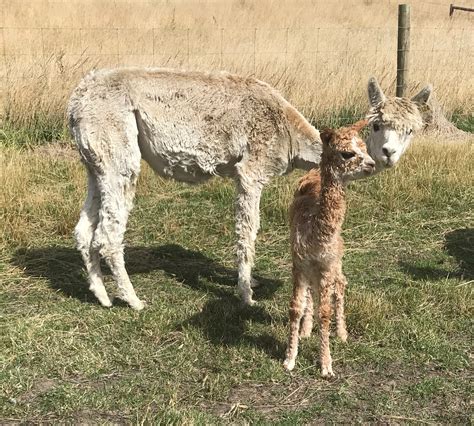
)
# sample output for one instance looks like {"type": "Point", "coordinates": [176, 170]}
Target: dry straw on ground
{"type": "Point", "coordinates": [318, 53]}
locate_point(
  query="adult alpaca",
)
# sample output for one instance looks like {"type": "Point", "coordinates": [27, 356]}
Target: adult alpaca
{"type": "Point", "coordinates": [191, 126]}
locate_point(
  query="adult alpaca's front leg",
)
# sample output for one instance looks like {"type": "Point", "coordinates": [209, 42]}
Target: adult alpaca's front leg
{"type": "Point", "coordinates": [247, 218]}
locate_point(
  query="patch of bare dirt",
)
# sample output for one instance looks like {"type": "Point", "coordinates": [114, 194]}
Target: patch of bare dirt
{"type": "Point", "coordinates": [351, 396]}
{"type": "Point", "coordinates": [40, 387]}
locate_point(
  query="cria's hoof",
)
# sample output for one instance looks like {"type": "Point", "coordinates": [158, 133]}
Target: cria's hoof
{"type": "Point", "coordinates": [102, 297]}
{"type": "Point", "coordinates": [305, 332]}
{"type": "Point", "coordinates": [327, 372]}
{"type": "Point", "coordinates": [342, 335]}
{"type": "Point", "coordinates": [289, 364]}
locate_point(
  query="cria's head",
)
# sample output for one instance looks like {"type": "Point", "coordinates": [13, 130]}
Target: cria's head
{"type": "Point", "coordinates": [345, 154]}
{"type": "Point", "coordinates": [393, 122]}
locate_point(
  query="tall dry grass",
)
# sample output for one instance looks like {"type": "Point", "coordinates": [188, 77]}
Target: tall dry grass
{"type": "Point", "coordinates": [318, 53]}
{"type": "Point", "coordinates": [43, 189]}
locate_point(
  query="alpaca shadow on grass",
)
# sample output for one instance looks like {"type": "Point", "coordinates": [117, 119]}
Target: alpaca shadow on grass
{"type": "Point", "coordinates": [64, 269]}
{"type": "Point", "coordinates": [223, 319]}
{"type": "Point", "coordinates": [225, 322]}
{"type": "Point", "coordinates": [458, 244]}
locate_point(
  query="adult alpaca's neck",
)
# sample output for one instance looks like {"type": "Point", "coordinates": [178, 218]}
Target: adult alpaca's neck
{"type": "Point", "coordinates": [332, 203]}
{"type": "Point", "coordinates": [305, 141]}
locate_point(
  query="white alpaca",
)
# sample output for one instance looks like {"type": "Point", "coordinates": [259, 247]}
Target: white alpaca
{"type": "Point", "coordinates": [192, 126]}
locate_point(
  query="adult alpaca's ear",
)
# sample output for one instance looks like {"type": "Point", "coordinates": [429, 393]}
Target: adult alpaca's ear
{"type": "Point", "coordinates": [425, 101]}
{"type": "Point", "coordinates": [326, 135]}
{"type": "Point", "coordinates": [375, 92]}
{"type": "Point", "coordinates": [424, 95]}
{"type": "Point", "coordinates": [359, 125]}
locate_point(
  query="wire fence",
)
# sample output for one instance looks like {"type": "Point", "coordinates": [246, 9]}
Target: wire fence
{"type": "Point", "coordinates": [323, 55]}
{"type": "Point", "coordinates": [183, 45]}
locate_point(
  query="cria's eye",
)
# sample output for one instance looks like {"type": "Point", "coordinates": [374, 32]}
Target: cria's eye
{"type": "Point", "coordinates": [410, 131]}
{"type": "Point", "coordinates": [347, 155]}
{"type": "Point", "coordinates": [376, 127]}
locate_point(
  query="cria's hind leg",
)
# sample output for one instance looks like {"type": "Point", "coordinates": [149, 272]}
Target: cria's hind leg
{"type": "Point", "coordinates": [84, 232]}
{"type": "Point", "coordinates": [307, 321]}
{"type": "Point", "coordinates": [297, 310]}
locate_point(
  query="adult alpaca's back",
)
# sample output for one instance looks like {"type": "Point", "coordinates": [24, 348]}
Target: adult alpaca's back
{"type": "Point", "coordinates": [188, 126]}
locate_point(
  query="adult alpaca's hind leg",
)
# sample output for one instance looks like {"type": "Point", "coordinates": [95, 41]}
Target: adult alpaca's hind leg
{"type": "Point", "coordinates": [117, 193]}
{"type": "Point", "coordinates": [113, 153]}
{"type": "Point", "coordinates": [84, 233]}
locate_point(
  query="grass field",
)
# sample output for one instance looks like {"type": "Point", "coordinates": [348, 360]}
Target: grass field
{"type": "Point", "coordinates": [194, 355]}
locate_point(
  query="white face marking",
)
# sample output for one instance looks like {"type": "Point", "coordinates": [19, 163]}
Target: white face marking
{"type": "Point", "coordinates": [387, 145]}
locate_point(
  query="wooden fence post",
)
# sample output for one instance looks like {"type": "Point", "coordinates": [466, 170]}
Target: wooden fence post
{"type": "Point", "coordinates": [403, 48]}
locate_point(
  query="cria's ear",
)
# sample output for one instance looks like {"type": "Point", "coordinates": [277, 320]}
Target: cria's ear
{"type": "Point", "coordinates": [326, 135]}
{"type": "Point", "coordinates": [375, 92]}
{"type": "Point", "coordinates": [359, 125]}
{"type": "Point", "coordinates": [424, 95]}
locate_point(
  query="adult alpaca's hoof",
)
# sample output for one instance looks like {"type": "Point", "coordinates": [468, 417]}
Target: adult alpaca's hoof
{"type": "Point", "coordinates": [102, 297]}
{"type": "Point", "coordinates": [254, 283]}
{"type": "Point", "coordinates": [106, 303]}
{"type": "Point", "coordinates": [136, 304]}
{"type": "Point", "coordinates": [248, 301]}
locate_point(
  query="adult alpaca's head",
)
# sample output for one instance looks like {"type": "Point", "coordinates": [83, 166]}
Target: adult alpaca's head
{"type": "Point", "coordinates": [393, 122]}
{"type": "Point", "coordinates": [344, 155]}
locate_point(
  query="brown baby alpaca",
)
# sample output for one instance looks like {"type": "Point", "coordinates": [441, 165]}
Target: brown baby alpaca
{"type": "Point", "coordinates": [316, 218]}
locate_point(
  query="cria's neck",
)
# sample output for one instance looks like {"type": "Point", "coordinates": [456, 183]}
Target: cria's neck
{"type": "Point", "coordinates": [332, 203]}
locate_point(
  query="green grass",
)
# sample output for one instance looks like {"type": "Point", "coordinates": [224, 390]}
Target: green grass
{"type": "Point", "coordinates": [463, 120]}
{"type": "Point", "coordinates": [195, 355]}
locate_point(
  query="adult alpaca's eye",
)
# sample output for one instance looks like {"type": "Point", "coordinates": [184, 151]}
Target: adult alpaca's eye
{"type": "Point", "coordinates": [376, 127]}
{"type": "Point", "coordinates": [410, 132]}
{"type": "Point", "coordinates": [347, 155]}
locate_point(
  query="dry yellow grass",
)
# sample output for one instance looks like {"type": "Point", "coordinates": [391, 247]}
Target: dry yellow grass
{"type": "Point", "coordinates": [318, 53]}
{"type": "Point", "coordinates": [43, 189]}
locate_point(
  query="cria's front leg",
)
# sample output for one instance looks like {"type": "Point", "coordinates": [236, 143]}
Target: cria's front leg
{"type": "Point", "coordinates": [340, 287]}
{"type": "Point", "coordinates": [247, 225]}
